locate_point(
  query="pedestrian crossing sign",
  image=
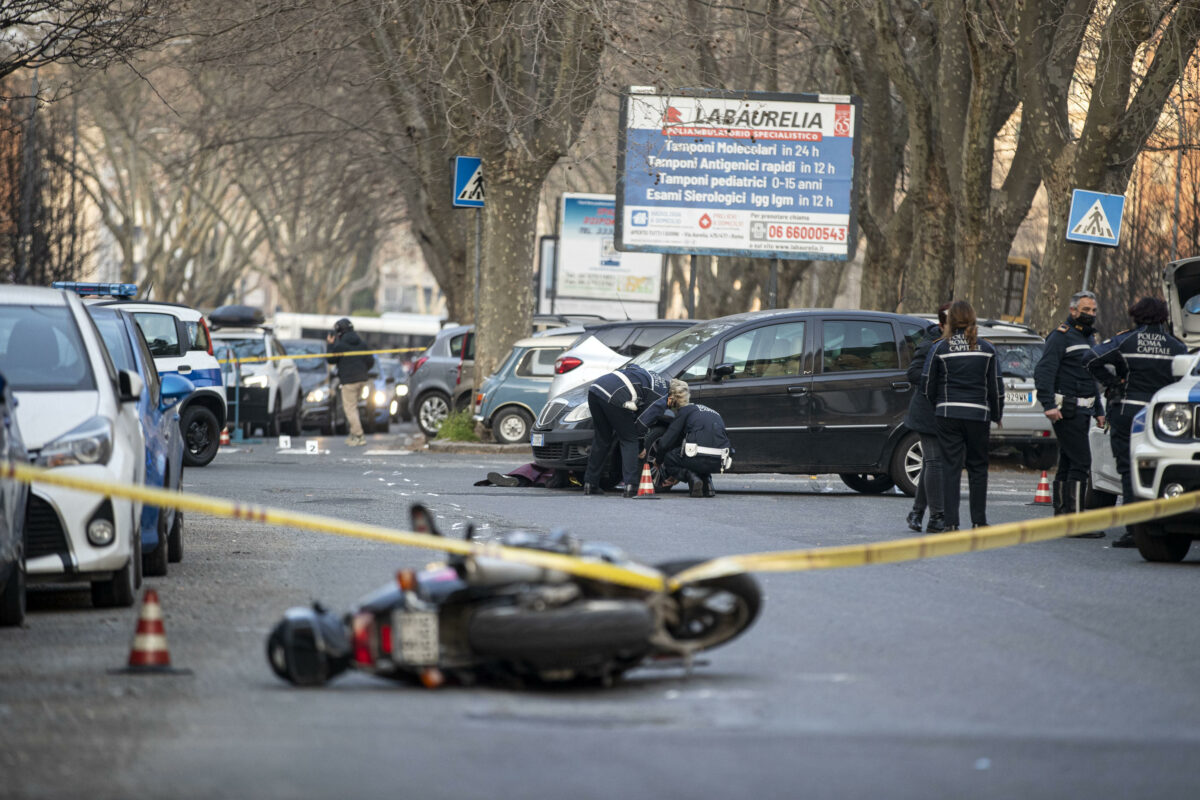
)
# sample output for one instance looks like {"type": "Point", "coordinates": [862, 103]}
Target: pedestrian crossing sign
{"type": "Point", "coordinates": [468, 182]}
{"type": "Point", "coordinates": [1095, 218]}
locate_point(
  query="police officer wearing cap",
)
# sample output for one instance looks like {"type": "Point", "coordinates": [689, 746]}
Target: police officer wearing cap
{"type": "Point", "coordinates": [624, 403]}
{"type": "Point", "coordinates": [1133, 365]}
{"type": "Point", "coordinates": [695, 445]}
{"type": "Point", "coordinates": [1067, 392]}
{"type": "Point", "coordinates": [353, 373]}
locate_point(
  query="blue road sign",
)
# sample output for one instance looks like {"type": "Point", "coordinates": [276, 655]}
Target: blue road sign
{"type": "Point", "coordinates": [1095, 218]}
{"type": "Point", "coordinates": [468, 182]}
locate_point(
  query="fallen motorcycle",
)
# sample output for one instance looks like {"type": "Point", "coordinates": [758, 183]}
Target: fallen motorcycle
{"type": "Point", "coordinates": [478, 618]}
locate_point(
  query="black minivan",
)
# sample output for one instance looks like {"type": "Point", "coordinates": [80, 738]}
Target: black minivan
{"type": "Point", "coordinates": [802, 391]}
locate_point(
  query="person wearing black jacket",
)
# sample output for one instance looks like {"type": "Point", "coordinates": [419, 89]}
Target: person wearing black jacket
{"type": "Point", "coordinates": [695, 445]}
{"type": "Point", "coordinates": [1067, 392]}
{"type": "Point", "coordinates": [623, 404]}
{"type": "Point", "coordinates": [1140, 361]}
{"type": "Point", "coordinates": [963, 384]}
{"type": "Point", "coordinates": [922, 421]}
{"type": "Point", "coordinates": [353, 374]}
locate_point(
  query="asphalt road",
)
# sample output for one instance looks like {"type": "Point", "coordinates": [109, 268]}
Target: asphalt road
{"type": "Point", "coordinates": [1060, 669]}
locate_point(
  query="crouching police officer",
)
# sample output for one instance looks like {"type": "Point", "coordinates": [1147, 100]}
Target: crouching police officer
{"type": "Point", "coordinates": [695, 446]}
{"type": "Point", "coordinates": [623, 404]}
{"type": "Point", "coordinates": [1141, 365]}
{"type": "Point", "coordinates": [1069, 398]}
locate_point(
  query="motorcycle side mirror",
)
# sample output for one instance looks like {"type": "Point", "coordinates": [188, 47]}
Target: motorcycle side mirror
{"type": "Point", "coordinates": [422, 520]}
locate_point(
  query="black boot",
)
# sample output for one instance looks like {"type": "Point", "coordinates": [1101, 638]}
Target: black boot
{"type": "Point", "coordinates": [630, 491]}
{"type": "Point", "coordinates": [709, 491]}
{"type": "Point", "coordinates": [591, 488]}
{"type": "Point", "coordinates": [1126, 540]}
{"type": "Point", "coordinates": [914, 520]}
{"type": "Point", "coordinates": [1073, 504]}
{"type": "Point", "coordinates": [937, 523]}
{"type": "Point", "coordinates": [1057, 495]}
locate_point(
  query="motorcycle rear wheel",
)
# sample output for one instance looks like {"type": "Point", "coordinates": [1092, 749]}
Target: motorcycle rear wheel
{"type": "Point", "coordinates": [710, 613]}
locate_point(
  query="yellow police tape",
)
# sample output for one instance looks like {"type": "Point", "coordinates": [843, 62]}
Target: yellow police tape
{"type": "Point", "coordinates": [259, 359]}
{"type": "Point", "coordinates": [908, 549]}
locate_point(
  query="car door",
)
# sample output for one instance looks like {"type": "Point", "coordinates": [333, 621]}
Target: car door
{"type": "Point", "coordinates": [859, 392]}
{"type": "Point", "coordinates": [764, 399]}
{"type": "Point", "coordinates": [289, 375]}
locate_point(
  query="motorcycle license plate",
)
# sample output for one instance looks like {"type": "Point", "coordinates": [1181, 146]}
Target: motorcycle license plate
{"type": "Point", "coordinates": [415, 637]}
{"type": "Point", "coordinates": [1018, 398]}
{"type": "Point", "coordinates": [537, 439]}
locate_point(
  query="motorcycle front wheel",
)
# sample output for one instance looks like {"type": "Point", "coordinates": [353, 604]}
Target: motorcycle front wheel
{"type": "Point", "coordinates": [707, 614]}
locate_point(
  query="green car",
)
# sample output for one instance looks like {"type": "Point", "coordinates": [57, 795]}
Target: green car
{"type": "Point", "coordinates": [509, 401]}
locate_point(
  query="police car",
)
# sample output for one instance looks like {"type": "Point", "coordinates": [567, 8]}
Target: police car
{"type": "Point", "coordinates": [181, 345]}
{"type": "Point", "coordinates": [78, 414]}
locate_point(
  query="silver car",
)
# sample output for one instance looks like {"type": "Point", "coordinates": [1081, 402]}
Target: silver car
{"type": "Point", "coordinates": [602, 348]}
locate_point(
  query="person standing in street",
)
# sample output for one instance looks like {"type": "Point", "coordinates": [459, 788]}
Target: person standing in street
{"type": "Point", "coordinates": [1067, 392]}
{"type": "Point", "coordinates": [921, 420]}
{"type": "Point", "coordinates": [1140, 360]}
{"type": "Point", "coordinates": [962, 382]}
{"type": "Point", "coordinates": [695, 446]}
{"type": "Point", "coordinates": [623, 404]}
{"type": "Point", "coordinates": [353, 373]}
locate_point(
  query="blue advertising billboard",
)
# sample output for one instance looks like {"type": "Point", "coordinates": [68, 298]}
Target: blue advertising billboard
{"type": "Point", "coordinates": [589, 266]}
{"type": "Point", "coordinates": [757, 174]}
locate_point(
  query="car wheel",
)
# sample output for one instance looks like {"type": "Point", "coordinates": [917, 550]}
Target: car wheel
{"type": "Point", "coordinates": [1040, 456]}
{"type": "Point", "coordinates": [292, 427]}
{"type": "Point", "coordinates": [155, 563]}
{"type": "Point", "coordinates": [432, 410]}
{"type": "Point", "coordinates": [511, 426]}
{"type": "Point", "coordinates": [867, 482]}
{"type": "Point", "coordinates": [121, 590]}
{"type": "Point", "coordinates": [175, 539]}
{"type": "Point", "coordinates": [906, 463]}
{"type": "Point", "coordinates": [1095, 498]}
{"type": "Point", "coordinates": [1155, 544]}
{"type": "Point", "coordinates": [12, 602]}
{"type": "Point", "coordinates": [201, 435]}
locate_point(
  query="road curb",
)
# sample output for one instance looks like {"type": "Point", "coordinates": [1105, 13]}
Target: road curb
{"type": "Point", "coordinates": [476, 448]}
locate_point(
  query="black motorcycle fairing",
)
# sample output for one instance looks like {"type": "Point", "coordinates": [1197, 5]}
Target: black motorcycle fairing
{"type": "Point", "coordinates": [309, 646]}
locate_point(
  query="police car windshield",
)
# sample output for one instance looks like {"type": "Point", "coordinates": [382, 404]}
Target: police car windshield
{"type": "Point", "coordinates": [242, 348]}
{"type": "Point", "coordinates": [41, 350]}
{"type": "Point", "coordinates": [1017, 359]}
{"type": "Point", "coordinates": [112, 331]}
{"type": "Point", "coordinates": [666, 353]}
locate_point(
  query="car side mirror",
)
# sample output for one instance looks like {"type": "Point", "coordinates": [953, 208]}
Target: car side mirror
{"type": "Point", "coordinates": [129, 386]}
{"type": "Point", "coordinates": [722, 371]}
{"type": "Point", "coordinates": [174, 388]}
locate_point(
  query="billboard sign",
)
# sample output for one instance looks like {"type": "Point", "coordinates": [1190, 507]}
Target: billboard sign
{"type": "Point", "coordinates": [757, 174]}
{"type": "Point", "coordinates": [589, 266]}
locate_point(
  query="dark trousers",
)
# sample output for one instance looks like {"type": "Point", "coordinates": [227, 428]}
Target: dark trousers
{"type": "Point", "coordinates": [929, 487]}
{"type": "Point", "coordinates": [1118, 435]}
{"type": "Point", "coordinates": [701, 467]}
{"type": "Point", "coordinates": [610, 424]}
{"type": "Point", "coordinates": [964, 442]}
{"type": "Point", "coordinates": [1074, 455]}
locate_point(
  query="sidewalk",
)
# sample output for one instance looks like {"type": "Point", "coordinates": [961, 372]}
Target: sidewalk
{"type": "Point", "coordinates": [475, 448]}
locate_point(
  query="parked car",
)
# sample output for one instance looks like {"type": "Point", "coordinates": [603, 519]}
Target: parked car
{"type": "Point", "coordinates": [180, 342]}
{"type": "Point", "coordinates": [161, 529]}
{"type": "Point", "coordinates": [434, 385]}
{"type": "Point", "coordinates": [377, 403]}
{"type": "Point", "coordinates": [398, 371]}
{"type": "Point", "coordinates": [603, 347]}
{"type": "Point", "coordinates": [510, 399]}
{"type": "Point", "coordinates": [1018, 349]}
{"type": "Point", "coordinates": [14, 497]}
{"type": "Point", "coordinates": [1181, 286]}
{"type": "Point", "coordinates": [270, 395]}
{"type": "Point", "coordinates": [77, 413]}
{"type": "Point", "coordinates": [322, 405]}
{"type": "Point", "coordinates": [801, 391]}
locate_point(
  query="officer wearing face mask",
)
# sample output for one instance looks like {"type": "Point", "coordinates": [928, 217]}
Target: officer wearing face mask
{"type": "Point", "coordinates": [1070, 400]}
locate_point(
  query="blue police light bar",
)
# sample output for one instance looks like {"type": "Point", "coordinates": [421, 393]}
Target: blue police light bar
{"type": "Point", "coordinates": [98, 289]}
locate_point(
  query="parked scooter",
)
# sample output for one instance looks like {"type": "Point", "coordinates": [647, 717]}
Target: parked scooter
{"type": "Point", "coordinates": [478, 618]}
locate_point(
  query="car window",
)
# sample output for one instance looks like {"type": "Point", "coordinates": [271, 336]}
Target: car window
{"type": "Point", "coordinates": [644, 339]}
{"type": "Point", "coordinates": [112, 331]}
{"type": "Point", "coordinates": [614, 337]}
{"type": "Point", "coordinates": [769, 352]}
{"type": "Point", "coordinates": [670, 350]}
{"type": "Point", "coordinates": [912, 335]}
{"type": "Point", "coordinates": [1017, 359]}
{"type": "Point", "coordinates": [152, 381]}
{"type": "Point", "coordinates": [41, 350]}
{"type": "Point", "coordinates": [538, 363]}
{"type": "Point", "coordinates": [197, 335]}
{"type": "Point", "coordinates": [297, 347]}
{"type": "Point", "coordinates": [456, 344]}
{"type": "Point", "coordinates": [858, 345]}
{"type": "Point", "coordinates": [699, 369]}
{"type": "Point", "coordinates": [161, 333]}
{"type": "Point", "coordinates": [241, 348]}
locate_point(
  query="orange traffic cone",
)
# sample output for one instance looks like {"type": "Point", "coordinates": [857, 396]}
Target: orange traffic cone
{"type": "Point", "coordinates": [646, 487]}
{"type": "Point", "coordinates": [1042, 495]}
{"type": "Point", "coordinates": [224, 436]}
{"type": "Point", "coordinates": [148, 653]}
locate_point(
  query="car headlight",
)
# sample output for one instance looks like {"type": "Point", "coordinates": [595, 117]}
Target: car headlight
{"type": "Point", "coordinates": [1173, 419]}
{"type": "Point", "coordinates": [578, 413]}
{"type": "Point", "coordinates": [381, 398]}
{"type": "Point", "coordinates": [255, 381]}
{"type": "Point", "coordinates": [366, 392]}
{"type": "Point", "coordinates": [90, 443]}
{"type": "Point", "coordinates": [402, 390]}
{"type": "Point", "coordinates": [317, 395]}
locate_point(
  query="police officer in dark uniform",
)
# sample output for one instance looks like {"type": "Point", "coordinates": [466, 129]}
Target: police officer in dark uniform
{"type": "Point", "coordinates": [1069, 398]}
{"type": "Point", "coordinates": [623, 404]}
{"type": "Point", "coordinates": [695, 445]}
{"type": "Point", "coordinates": [1140, 359]}
{"type": "Point", "coordinates": [922, 421]}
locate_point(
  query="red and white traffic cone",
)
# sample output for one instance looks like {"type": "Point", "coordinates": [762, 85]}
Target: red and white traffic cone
{"type": "Point", "coordinates": [149, 653]}
{"type": "Point", "coordinates": [1042, 495]}
{"type": "Point", "coordinates": [646, 486]}
{"type": "Point", "coordinates": [224, 436]}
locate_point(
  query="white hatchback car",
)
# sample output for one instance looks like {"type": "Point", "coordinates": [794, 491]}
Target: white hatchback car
{"type": "Point", "coordinates": [78, 414]}
{"type": "Point", "coordinates": [270, 394]}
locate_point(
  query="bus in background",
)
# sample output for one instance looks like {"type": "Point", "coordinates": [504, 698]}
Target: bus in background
{"type": "Point", "coordinates": [392, 330]}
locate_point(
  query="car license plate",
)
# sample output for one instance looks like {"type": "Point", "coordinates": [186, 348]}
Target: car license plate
{"type": "Point", "coordinates": [1015, 398]}
{"type": "Point", "coordinates": [415, 637]}
{"type": "Point", "coordinates": [537, 439]}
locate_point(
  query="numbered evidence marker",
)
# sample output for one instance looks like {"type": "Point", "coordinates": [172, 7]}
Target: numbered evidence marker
{"type": "Point", "coordinates": [312, 446]}
{"type": "Point", "coordinates": [285, 442]}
